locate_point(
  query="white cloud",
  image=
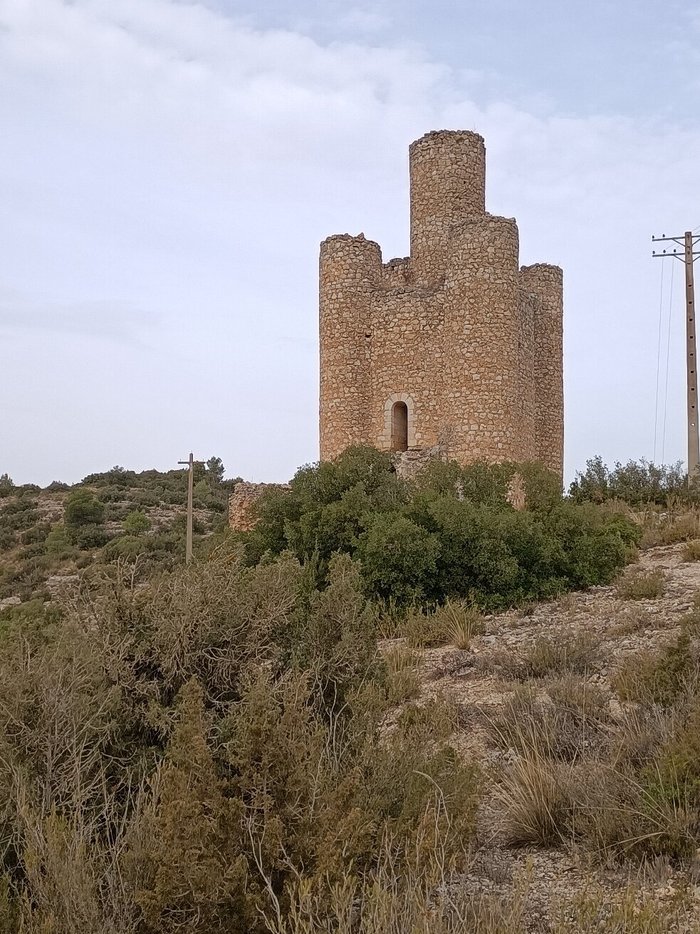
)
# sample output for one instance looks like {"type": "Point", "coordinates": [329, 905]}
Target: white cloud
{"type": "Point", "coordinates": [162, 155]}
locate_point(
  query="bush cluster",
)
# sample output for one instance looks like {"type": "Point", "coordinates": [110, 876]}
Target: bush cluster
{"type": "Point", "coordinates": [450, 534]}
{"type": "Point", "coordinates": [636, 483]}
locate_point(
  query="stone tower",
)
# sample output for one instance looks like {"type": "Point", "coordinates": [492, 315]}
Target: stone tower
{"type": "Point", "coordinates": [454, 346]}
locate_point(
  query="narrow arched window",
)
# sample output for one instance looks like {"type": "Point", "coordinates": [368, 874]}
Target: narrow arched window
{"type": "Point", "coordinates": [399, 427]}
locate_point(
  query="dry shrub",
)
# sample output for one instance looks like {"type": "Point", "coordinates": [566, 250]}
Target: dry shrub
{"type": "Point", "coordinates": [659, 676]}
{"type": "Point", "coordinates": [166, 751]}
{"type": "Point", "coordinates": [454, 623]}
{"type": "Point", "coordinates": [421, 896]}
{"type": "Point", "coordinates": [633, 911]}
{"type": "Point", "coordinates": [563, 652]}
{"type": "Point", "coordinates": [641, 585]}
{"type": "Point", "coordinates": [670, 529]}
{"type": "Point", "coordinates": [691, 550]}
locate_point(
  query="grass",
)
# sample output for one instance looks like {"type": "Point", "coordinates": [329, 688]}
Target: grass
{"type": "Point", "coordinates": [691, 550]}
{"type": "Point", "coordinates": [641, 585]}
{"type": "Point", "coordinates": [659, 676]}
{"type": "Point", "coordinates": [536, 796]}
{"type": "Point", "coordinates": [462, 623]}
{"type": "Point", "coordinates": [566, 722]}
{"type": "Point", "coordinates": [633, 910]}
{"type": "Point", "coordinates": [454, 623]}
{"type": "Point", "coordinates": [670, 529]}
{"type": "Point", "coordinates": [563, 652]}
{"type": "Point", "coordinates": [403, 680]}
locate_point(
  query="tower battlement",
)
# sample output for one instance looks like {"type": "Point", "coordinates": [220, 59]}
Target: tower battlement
{"type": "Point", "coordinates": [456, 346]}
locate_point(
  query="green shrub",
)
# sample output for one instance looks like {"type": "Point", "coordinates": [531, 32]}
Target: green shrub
{"type": "Point", "coordinates": [637, 482]}
{"type": "Point", "coordinates": [83, 508]}
{"type": "Point", "coordinates": [451, 534]}
{"type": "Point", "coordinates": [58, 542]}
{"type": "Point", "coordinates": [136, 522]}
{"type": "Point", "coordinates": [90, 536]}
{"type": "Point", "coordinates": [399, 559]}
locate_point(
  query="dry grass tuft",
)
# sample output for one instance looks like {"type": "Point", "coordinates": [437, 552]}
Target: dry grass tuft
{"type": "Point", "coordinates": [557, 654]}
{"type": "Point", "coordinates": [536, 796]}
{"type": "Point", "coordinates": [453, 623]}
{"type": "Point", "coordinates": [462, 623]}
{"type": "Point", "coordinates": [641, 585]}
{"type": "Point", "coordinates": [691, 550]}
{"type": "Point", "coordinates": [569, 721]}
{"type": "Point", "coordinates": [403, 680]}
{"type": "Point", "coordinates": [670, 529]}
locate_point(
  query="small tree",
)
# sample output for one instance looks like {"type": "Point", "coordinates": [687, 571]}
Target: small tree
{"type": "Point", "coordinates": [7, 485]}
{"type": "Point", "coordinates": [215, 470]}
{"type": "Point", "coordinates": [83, 511]}
{"type": "Point", "coordinates": [194, 842]}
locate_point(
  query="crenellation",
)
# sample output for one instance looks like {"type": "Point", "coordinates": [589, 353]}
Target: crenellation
{"type": "Point", "coordinates": [454, 347]}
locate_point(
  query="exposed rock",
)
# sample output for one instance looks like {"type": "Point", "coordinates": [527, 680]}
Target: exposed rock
{"type": "Point", "coordinates": [409, 463]}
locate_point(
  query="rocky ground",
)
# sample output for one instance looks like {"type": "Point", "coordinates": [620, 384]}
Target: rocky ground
{"type": "Point", "coordinates": [536, 882]}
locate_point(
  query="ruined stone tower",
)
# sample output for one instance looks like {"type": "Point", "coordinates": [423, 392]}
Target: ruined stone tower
{"type": "Point", "coordinates": [454, 346]}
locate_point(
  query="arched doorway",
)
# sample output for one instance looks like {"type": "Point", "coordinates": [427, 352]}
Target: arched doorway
{"type": "Point", "coordinates": [399, 427]}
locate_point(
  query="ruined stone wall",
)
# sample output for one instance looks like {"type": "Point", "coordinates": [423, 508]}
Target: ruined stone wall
{"type": "Point", "coordinates": [241, 516]}
{"type": "Point", "coordinates": [457, 333]}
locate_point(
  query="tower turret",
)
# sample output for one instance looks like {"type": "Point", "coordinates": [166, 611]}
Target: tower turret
{"type": "Point", "coordinates": [448, 185]}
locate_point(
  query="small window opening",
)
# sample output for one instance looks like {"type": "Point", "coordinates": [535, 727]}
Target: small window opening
{"type": "Point", "coordinates": [399, 427]}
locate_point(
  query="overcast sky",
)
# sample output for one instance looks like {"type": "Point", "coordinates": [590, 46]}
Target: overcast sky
{"type": "Point", "coordinates": [168, 168]}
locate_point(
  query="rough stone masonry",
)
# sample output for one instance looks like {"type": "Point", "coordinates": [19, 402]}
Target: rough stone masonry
{"type": "Point", "coordinates": [454, 347]}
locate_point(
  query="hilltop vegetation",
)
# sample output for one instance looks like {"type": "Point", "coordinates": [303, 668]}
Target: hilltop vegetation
{"type": "Point", "coordinates": [47, 535]}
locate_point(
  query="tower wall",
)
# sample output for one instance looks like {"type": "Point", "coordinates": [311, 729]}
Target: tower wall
{"type": "Point", "coordinates": [448, 184]}
{"type": "Point", "coordinates": [482, 326]}
{"type": "Point", "coordinates": [407, 359]}
{"type": "Point", "coordinates": [349, 268]}
{"type": "Point", "coordinates": [546, 282]}
{"type": "Point", "coordinates": [526, 398]}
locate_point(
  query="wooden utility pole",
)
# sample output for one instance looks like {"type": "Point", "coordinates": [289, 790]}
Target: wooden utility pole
{"type": "Point", "coordinates": [190, 462]}
{"type": "Point", "coordinates": [687, 254]}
